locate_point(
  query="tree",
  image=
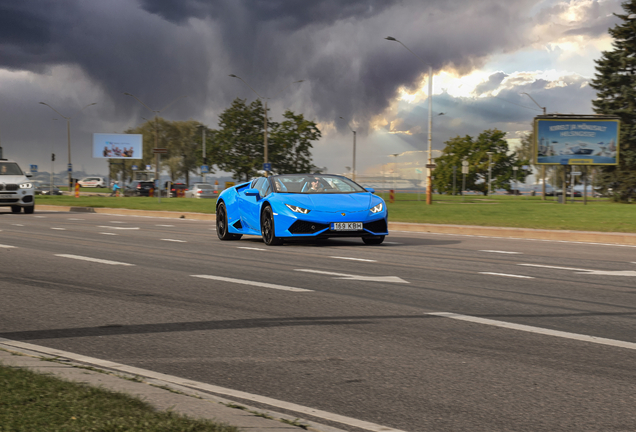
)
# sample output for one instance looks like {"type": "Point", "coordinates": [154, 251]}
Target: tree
{"type": "Point", "coordinates": [239, 142]}
{"type": "Point", "coordinates": [615, 83]}
{"type": "Point", "coordinates": [475, 152]}
{"type": "Point", "coordinates": [290, 150]}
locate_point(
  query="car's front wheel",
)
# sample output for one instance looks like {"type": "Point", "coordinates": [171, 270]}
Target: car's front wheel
{"type": "Point", "coordinates": [29, 210]}
{"type": "Point", "coordinates": [15, 209]}
{"type": "Point", "coordinates": [373, 240]}
{"type": "Point", "coordinates": [222, 229]}
{"type": "Point", "coordinates": [267, 228]}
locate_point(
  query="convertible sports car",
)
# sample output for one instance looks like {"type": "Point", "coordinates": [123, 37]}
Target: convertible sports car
{"type": "Point", "coordinates": [294, 206]}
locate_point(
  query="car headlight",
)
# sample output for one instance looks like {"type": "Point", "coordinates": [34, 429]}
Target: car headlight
{"type": "Point", "coordinates": [26, 186]}
{"type": "Point", "coordinates": [377, 209]}
{"type": "Point", "coordinates": [297, 209]}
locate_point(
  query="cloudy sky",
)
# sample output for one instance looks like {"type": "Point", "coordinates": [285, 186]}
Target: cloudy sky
{"type": "Point", "coordinates": [484, 55]}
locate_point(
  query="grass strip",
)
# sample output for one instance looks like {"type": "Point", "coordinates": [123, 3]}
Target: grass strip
{"type": "Point", "coordinates": [34, 402]}
{"type": "Point", "coordinates": [495, 211]}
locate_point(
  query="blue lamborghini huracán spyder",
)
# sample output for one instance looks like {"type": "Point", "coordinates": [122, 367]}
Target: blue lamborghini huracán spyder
{"type": "Point", "coordinates": [296, 206]}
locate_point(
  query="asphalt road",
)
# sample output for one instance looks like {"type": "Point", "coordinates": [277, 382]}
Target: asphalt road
{"type": "Point", "coordinates": [423, 333]}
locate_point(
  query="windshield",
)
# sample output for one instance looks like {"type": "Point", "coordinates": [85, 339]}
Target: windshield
{"type": "Point", "coordinates": [315, 184]}
{"type": "Point", "coordinates": [10, 168]}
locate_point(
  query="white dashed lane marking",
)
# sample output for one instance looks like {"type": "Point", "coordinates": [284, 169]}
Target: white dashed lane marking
{"type": "Point", "coordinates": [252, 283]}
{"type": "Point", "coordinates": [250, 248]}
{"type": "Point", "coordinates": [507, 275]}
{"type": "Point", "coordinates": [353, 259]}
{"type": "Point", "coordinates": [109, 234]}
{"type": "Point", "coordinates": [539, 330]}
{"type": "Point", "coordinates": [6, 246]}
{"type": "Point", "coordinates": [119, 228]}
{"type": "Point", "coordinates": [169, 226]}
{"type": "Point", "coordinates": [174, 240]}
{"type": "Point", "coordinates": [95, 260]}
{"type": "Point", "coordinates": [501, 252]}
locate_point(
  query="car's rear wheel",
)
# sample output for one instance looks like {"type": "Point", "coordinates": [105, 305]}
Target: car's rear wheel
{"type": "Point", "coordinates": [15, 209]}
{"type": "Point", "coordinates": [267, 228]}
{"type": "Point", "coordinates": [373, 240]}
{"type": "Point", "coordinates": [29, 210]}
{"type": "Point", "coordinates": [222, 229]}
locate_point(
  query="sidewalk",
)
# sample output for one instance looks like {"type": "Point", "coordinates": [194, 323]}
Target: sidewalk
{"type": "Point", "coordinates": [626, 239]}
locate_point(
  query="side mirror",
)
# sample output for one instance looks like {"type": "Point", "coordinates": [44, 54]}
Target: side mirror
{"type": "Point", "coordinates": [28, 175]}
{"type": "Point", "coordinates": [370, 190]}
{"type": "Point", "coordinates": [251, 192]}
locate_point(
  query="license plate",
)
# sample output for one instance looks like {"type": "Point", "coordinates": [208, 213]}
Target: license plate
{"type": "Point", "coordinates": [7, 196]}
{"type": "Point", "coordinates": [346, 226]}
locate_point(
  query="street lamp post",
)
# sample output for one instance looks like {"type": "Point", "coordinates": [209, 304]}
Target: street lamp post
{"type": "Point", "coordinates": [68, 133]}
{"type": "Point", "coordinates": [464, 172]}
{"type": "Point", "coordinates": [543, 166]}
{"type": "Point", "coordinates": [353, 169]}
{"type": "Point", "coordinates": [429, 188]}
{"type": "Point", "coordinates": [489, 170]}
{"type": "Point", "coordinates": [156, 113]}
{"type": "Point", "coordinates": [265, 155]}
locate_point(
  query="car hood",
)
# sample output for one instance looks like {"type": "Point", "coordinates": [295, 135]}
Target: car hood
{"type": "Point", "coordinates": [13, 179]}
{"type": "Point", "coordinates": [330, 202]}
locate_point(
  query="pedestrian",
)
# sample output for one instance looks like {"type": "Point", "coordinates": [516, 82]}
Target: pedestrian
{"type": "Point", "coordinates": [116, 188]}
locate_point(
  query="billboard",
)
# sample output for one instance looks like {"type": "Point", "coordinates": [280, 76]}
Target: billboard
{"type": "Point", "coordinates": [576, 140]}
{"type": "Point", "coordinates": [117, 146]}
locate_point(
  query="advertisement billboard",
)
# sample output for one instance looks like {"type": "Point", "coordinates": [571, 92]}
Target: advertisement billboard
{"type": "Point", "coordinates": [117, 146]}
{"type": "Point", "coordinates": [576, 140]}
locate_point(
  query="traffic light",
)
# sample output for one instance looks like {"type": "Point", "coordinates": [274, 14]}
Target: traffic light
{"type": "Point", "coordinates": [53, 157]}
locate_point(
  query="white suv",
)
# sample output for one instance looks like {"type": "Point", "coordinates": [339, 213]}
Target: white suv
{"type": "Point", "coordinates": [96, 182]}
{"type": "Point", "coordinates": [16, 191]}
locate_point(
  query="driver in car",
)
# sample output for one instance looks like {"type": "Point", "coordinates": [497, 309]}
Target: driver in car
{"type": "Point", "coordinates": [316, 186]}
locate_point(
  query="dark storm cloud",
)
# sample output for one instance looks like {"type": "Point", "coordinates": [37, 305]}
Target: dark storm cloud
{"type": "Point", "coordinates": [492, 84]}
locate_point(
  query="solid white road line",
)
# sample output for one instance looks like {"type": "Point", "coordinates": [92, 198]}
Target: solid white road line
{"type": "Point", "coordinates": [6, 246]}
{"type": "Point", "coordinates": [251, 248]}
{"type": "Point", "coordinates": [173, 240]}
{"type": "Point", "coordinates": [353, 259]}
{"type": "Point", "coordinates": [501, 252]}
{"type": "Point", "coordinates": [253, 283]}
{"type": "Point", "coordinates": [361, 424]}
{"type": "Point", "coordinates": [538, 330]}
{"type": "Point", "coordinates": [628, 273]}
{"type": "Point", "coordinates": [393, 279]}
{"type": "Point", "coordinates": [96, 260]}
{"type": "Point", "coordinates": [507, 275]}
{"type": "Point", "coordinates": [119, 228]}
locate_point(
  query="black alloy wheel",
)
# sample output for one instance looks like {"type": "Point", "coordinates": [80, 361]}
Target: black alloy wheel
{"type": "Point", "coordinates": [222, 229]}
{"type": "Point", "coordinates": [267, 228]}
{"type": "Point", "coordinates": [373, 240]}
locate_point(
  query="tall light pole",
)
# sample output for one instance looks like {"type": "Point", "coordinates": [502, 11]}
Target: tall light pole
{"type": "Point", "coordinates": [354, 150]}
{"type": "Point", "coordinates": [265, 155]}
{"type": "Point", "coordinates": [489, 170]}
{"type": "Point", "coordinates": [156, 113]}
{"type": "Point", "coordinates": [68, 132]}
{"type": "Point", "coordinates": [542, 166]}
{"type": "Point", "coordinates": [429, 186]}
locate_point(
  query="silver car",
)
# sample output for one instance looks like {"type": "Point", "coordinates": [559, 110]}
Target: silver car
{"type": "Point", "coordinates": [201, 190]}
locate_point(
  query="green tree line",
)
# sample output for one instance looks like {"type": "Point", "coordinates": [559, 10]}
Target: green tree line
{"type": "Point", "coordinates": [237, 146]}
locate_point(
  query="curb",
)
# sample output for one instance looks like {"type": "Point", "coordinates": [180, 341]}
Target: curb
{"type": "Point", "coordinates": [625, 239]}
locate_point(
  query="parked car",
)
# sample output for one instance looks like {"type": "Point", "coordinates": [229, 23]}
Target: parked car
{"type": "Point", "coordinates": [139, 188]}
{"type": "Point", "coordinates": [94, 182]}
{"type": "Point", "coordinates": [577, 193]}
{"type": "Point", "coordinates": [201, 190]}
{"type": "Point", "coordinates": [177, 189]}
{"type": "Point", "coordinates": [47, 189]}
